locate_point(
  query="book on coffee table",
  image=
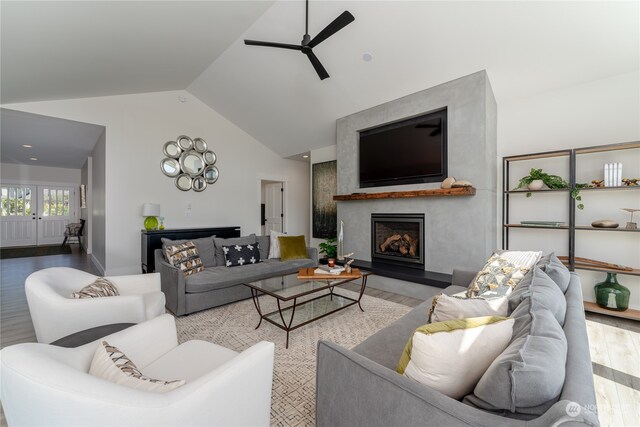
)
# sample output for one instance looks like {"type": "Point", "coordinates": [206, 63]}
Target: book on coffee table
{"type": "Point", "coordinates": [312, 273]}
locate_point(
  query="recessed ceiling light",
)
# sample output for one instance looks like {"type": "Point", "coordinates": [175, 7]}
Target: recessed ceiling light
{"type": "Point", "coordinates": [27, 146]}
{"type": "Point", "coordinates": [367, 57]}
{"type": "Point", "coordinates": [33, 158]}
{"type": "Point", "coordinates": [305, 156]}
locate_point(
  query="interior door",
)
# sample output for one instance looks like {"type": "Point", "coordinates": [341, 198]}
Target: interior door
{"type": "Point", "coordinates": [18, 217]}
{"type": "Point", "coordinates": [273, 207]}
{"type": "Point", "coordinates": [56, 208]}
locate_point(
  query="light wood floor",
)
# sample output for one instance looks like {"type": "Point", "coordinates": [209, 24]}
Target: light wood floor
{"type": "Point", "coordinates": [614, 343]}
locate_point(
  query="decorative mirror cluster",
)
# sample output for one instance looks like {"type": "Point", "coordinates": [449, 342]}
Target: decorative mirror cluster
{"type": "Point", "coordinates": [190, 162]}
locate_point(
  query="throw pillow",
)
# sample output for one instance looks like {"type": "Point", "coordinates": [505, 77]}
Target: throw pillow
{"type": "Point", "coordinates": [274, 244]}
{"type": "Point", "coordinates": [241, 254]}
{"type": "Point", "coordinates": [445, 307]}
{"type": "Point", "coordinates": [292, 247]}
{"type": "Point", "coordinates": [497, 278]}
{"type": "Point", "coordinates": [205, 246]}
{"type": "Point", "coordinates": [110, 364]}
{"type": "Point", "coordinates": [101, 287]}
{"type": "Point", "coordinates": [451, 356]}
{"type": "Point", "coordinates": [185, 257]}
{"type": "Point", "coordinates": [244, 240]}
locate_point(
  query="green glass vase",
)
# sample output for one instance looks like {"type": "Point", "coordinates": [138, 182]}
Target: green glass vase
{"type": "Point", "coordinates": [612, 295]}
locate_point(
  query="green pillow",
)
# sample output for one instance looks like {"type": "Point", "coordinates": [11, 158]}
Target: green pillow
{"type": "Point", "coordinates": [292, 247]}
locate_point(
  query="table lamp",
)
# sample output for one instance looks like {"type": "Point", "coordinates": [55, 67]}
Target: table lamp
{"type": "Point", "coordinates": [150, 211]}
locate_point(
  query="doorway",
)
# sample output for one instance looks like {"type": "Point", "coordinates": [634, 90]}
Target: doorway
{"type": "Point", "coordinates": [34, 215]}
{"type": "Point", "coordinates": [273, 206]}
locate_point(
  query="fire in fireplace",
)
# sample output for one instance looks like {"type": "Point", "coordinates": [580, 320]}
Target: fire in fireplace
{"type": "Point", "coordinates": [398, 239]}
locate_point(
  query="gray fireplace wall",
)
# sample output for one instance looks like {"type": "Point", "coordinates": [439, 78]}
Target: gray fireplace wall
{"type": "Point", "coordinates": [460, 232]}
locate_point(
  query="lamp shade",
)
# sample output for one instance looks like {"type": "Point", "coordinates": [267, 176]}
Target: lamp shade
{"type": "Point", "coordinates": [150, 209]}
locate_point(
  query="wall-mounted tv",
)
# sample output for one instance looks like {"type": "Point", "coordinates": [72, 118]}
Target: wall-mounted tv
{"type": "Point", "coordinates": [406, 152]}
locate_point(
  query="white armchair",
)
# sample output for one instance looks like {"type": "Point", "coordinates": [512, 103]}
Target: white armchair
{"type": "Point", "coordinates": [55, 314]}
{"type": "Point", "coordinates": [45, 385]}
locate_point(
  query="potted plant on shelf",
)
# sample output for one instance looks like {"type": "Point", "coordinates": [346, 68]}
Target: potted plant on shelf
{"type": "Point", "coordinates": [537, 179]}
{"type": "Point", "coordinates": [329, 248]}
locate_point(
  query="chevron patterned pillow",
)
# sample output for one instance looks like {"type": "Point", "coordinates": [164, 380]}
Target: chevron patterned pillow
{"type": "Point", "coordinates": [101, 287]}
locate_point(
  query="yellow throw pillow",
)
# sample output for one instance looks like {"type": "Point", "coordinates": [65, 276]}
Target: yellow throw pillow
{"type": "Point", "coordinates": [292, 247]}
{"type": "Point", "coordinates": [451, 357]}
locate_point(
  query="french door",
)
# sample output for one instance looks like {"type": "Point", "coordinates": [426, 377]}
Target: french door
{"type": "Point", "coordinates": [35, 214]}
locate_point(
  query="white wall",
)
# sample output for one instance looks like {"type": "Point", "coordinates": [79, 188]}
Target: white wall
{"type": "Point", "coordinates": [324, 154]}
{"type": "Point", "coordinates": [38, 174]}
{"type": "Point", "coordinates": [137, 126]}
{"type": "Point", "coordinates": [602, 112]}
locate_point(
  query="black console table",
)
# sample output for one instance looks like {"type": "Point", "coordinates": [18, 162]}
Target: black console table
{"type": "Point", "coordinates": [151, 240]}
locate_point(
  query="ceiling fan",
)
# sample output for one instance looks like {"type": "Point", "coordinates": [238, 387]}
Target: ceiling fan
{"type": "Point", "coordinates": [308, 43]}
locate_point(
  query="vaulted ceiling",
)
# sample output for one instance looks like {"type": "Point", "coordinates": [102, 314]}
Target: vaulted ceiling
{"type": "Point", "coordinates": [56, 50]}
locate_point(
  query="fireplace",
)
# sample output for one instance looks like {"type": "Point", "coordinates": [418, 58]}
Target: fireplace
{"type": "Point", "coordinates": [398, 239]}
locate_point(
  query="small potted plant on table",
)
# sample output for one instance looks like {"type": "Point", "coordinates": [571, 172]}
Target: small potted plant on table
{"type": "Point", "coordinates": [329, 249]}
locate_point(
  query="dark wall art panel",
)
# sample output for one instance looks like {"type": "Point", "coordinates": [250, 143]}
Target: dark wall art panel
{"type": "Point", "coordinates": [324, 187]}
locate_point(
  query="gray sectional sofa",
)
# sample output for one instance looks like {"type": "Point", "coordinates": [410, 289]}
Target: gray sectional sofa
{"type": "Point", "coordinates": [217, 284]}
{"type": "Point", "coordinates": [360, 387]}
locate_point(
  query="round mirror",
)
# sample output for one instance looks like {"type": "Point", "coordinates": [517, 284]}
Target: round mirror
{"type": "Point", "coordinates": [209, 157]}
{"type": "Point", "coordinates": [185, 143]}
{"type": "Point", "coordinates": [198, 184]}
{"type": "Point", "coordinates": [183, 182]}
{"type": "Point", "coordinates": [171, 149]}
{"type": "Point", "coordinates": [192, 163]}
{"type": "Point", "coordinates": [170, 167]}
{"type": "Point", "coordinates": [211, 174]}
{"type": "Point", "coordinates": [200, 145]}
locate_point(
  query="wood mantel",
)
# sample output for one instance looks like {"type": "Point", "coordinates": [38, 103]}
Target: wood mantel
{"type": "Point", "coordinates": [436, 192]}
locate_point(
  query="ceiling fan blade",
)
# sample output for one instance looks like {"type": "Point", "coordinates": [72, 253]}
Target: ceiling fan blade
{"type": "Point", "coordinates": [271, 44]}
{"type": "Point", "coordinates": [339, 23]}
{"type": "Point", "coordinates": [322, 73]}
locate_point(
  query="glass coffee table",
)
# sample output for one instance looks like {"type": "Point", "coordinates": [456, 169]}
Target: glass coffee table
{"type": "Point", "coordinates": [299, 313]}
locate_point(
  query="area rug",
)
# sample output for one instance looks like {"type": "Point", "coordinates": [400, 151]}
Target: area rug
{"type": "Point", "coordinates": [6, 253]}
{"type": "Point", "coordinates": [293, 397]}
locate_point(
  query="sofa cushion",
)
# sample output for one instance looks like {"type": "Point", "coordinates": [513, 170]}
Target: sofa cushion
{"type": "Point", "coordinates": [101, 287]}
{"type": "Point", "coordinates": [451, 356]}
{"type": "Point", "coordinates": [530, 372]}
{"type": "Point", "coordinates": [292, 247]}
{"type": "Point", "coordinates": [445, 307]}
{"type": "Point", "coordinates": [239, 255]}
{"type": "Point", "coordinates": [224, 277]}
{"type": "Point", "coordinates": [546, 293]}
{"type": "Point", "coordinates": [263, 245]}
{"type": "Point", "coordinates": [556, 270]}
{"type": "Point", "coordinates": [219, 243]}
{"type": "Point", "coordinates": [205, 246]}
{"type": "Point", "coordinates": [274, 244]}
{"type": "Point", "coordinates": [185, 257]}
{"type": "Point", "coordinates": [110, 364]}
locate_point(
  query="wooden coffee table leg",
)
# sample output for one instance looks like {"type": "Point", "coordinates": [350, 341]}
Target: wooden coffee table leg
{"type": "Point", "coordinates": [363, 285]}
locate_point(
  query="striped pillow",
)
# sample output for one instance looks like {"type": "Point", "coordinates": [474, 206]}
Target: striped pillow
{"type": "Point", "coordinates": [185, 257]}
{"type": "Point", "coordinates": [111, 364]}
{"type": "Point", "coordinates": [101, 287]}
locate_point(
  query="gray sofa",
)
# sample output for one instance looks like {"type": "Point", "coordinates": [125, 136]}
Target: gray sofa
{"type": "Point", "coordinates": [359, 387]}
{"type": "Point", "coordinates": [217, 284]}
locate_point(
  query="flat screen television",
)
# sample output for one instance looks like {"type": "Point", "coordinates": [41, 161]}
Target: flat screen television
{"type": "Point", "coordinates": [406, 152]}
